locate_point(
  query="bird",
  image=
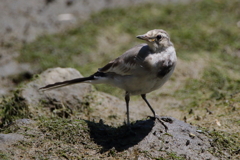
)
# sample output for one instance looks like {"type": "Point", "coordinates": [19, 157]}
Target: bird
{"type": "Point", "coordinates": [140, 70]}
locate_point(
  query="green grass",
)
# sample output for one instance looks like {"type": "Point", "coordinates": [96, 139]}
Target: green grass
{"type": "Point", "coordinates": [59, 130]}
{"type": "Point", "coordinates": [12, 108]}
{"type": "Point", "coordinates": [225, 141]}
{"type": "Point", "coordinates": [55, 137]}
{"type": "Point", "coordinates": [216, 82]}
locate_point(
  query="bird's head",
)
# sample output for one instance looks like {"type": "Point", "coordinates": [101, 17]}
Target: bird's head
{"type": "Point", "coordinates": [156, 39]}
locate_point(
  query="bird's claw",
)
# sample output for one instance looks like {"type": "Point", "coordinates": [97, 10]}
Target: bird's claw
{"type": "Point", "coordinates": [160, 120]}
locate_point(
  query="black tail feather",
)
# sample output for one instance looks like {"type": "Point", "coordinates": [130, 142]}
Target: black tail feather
{"type": "Point", "coordinates": [66, 83]}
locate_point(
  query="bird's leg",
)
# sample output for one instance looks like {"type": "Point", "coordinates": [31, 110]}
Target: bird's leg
{"type": "Point", "coordinates": [154, 115]}
{"type": "Point", "coordinates": [145, 99]}
{"type": "Point", "coordinates": [127, 99]}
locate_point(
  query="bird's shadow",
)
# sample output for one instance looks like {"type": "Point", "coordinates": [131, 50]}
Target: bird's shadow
{"type": "Point", "coordinates": [120, 138]}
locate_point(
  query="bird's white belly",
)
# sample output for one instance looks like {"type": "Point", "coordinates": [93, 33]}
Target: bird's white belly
{"type": "Point", "coordinates": [140, 85]}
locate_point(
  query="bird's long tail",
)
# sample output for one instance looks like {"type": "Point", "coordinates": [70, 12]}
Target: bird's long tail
{"type": "Point", "coordinates": [66, 83]}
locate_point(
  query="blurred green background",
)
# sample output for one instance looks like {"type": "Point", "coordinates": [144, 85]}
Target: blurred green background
{"type": "Point", "coordinates": [206, 27]}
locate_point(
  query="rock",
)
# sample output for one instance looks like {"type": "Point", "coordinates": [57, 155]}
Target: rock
{"type": "Point", "coordinates": [181, 138]}
{"type": "Point", "coordinates": [69, 97]}
{"type": "Point", "coordinates": [10, 138]}
{"type": "Point", "coordinates": [81, 99]}
{"type": "Point", "coordinates": [33, 95]}
{"type": "Point", "coordinates": [24, 122]}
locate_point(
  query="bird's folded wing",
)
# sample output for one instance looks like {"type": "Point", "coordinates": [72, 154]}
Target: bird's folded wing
{"type": "Point", "coordinates": [125, 64]}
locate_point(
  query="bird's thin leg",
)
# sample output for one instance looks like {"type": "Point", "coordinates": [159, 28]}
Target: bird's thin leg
{"type": "Point", "coordinates": [127, 99]}
{"type": "Point", "coordinates": [145, 99]}
{"type": "Point", "coordinates": [155, 116]}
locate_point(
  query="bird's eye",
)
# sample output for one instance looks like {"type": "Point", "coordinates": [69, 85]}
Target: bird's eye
{"type": "Point", "coordinates": [159, 37]}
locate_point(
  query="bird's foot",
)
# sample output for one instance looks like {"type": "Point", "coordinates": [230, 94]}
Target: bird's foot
{"type": "Point", "coordinates": [152, 117]}
{"type": "Point", "coordinates": [161, 120]}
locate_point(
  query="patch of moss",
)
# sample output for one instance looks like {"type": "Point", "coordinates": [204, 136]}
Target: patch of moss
{"type": "Point", "coordinates": [169, 156]}
{"type": "Point", "coordinates": [4, 156]}
{"type": "Point", "coordinates": [223, 143]}
{"type": "Point", "coordinates": [13, 108]}
{"type": "Point", "coordinates": [55, 137]}
{"type": "Point", "coordinates": [64, 130]}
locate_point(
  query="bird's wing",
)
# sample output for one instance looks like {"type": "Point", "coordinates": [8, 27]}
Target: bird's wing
{"type": "Point", "coordinates": [126, 63]}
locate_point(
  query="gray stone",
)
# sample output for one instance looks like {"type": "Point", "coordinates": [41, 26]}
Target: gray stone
{"type": "Point", "coordinates": [181, 138]}
{"type": "Point", "coordinates": [70, 97]}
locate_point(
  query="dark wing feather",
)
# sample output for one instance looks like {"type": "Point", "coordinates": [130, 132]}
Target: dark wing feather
{"type": "Point", "coordinates": [125, 64]}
